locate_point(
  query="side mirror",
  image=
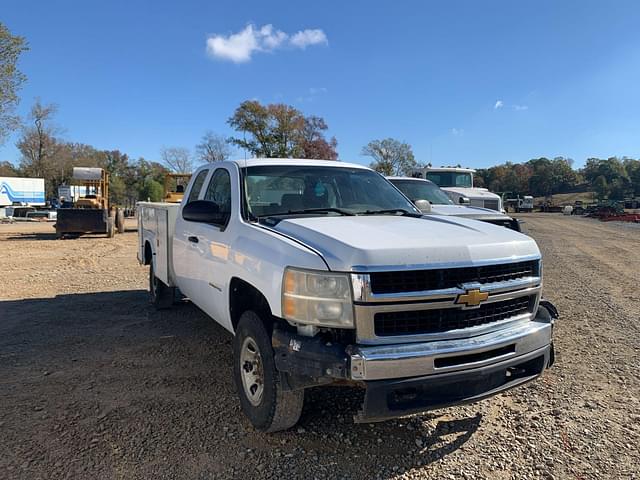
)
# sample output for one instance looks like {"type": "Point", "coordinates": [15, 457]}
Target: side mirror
{"type": "Point", "coordinates": [423, 205]}
{"type": "Point", "coordinates": [464, 201]}
{"type": "Point", "coordinates": [203, 211]}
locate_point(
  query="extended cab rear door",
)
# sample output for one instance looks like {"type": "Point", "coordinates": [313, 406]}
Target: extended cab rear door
{"type": "Point", "coordinates": [208, 246]}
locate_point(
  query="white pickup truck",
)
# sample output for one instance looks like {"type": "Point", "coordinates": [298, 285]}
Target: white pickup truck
{"type": "Point", "coordinates": [325, 273]}
{"type": "Point", "coordinates": [430, 198]}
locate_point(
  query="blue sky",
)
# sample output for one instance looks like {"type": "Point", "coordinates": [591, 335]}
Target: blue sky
{"type": "Point", "coordinates": [476, 83]}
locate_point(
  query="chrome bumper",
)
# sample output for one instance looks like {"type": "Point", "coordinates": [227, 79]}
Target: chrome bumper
{"type": "Point", "coordinates": [444, 356]}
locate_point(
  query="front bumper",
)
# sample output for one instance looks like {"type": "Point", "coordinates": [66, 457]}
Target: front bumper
{"type": "Point", "coordinates": [385, 399]}
{"type": "Point", "coordinates": [401, 379]}
{"type": "Point", "coordinates": [428, 358]}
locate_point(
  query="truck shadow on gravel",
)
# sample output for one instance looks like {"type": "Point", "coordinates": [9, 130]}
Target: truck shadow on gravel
{"type": "Point", "coordinates": [105, 379]}
{"type": "Point", "coordinates": [31, 236]}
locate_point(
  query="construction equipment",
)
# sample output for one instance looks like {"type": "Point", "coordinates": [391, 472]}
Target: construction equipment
{"type": "Point", "coordinates": [606, 209]}
{"type": "Point", "coordinates": [92, 212]}
{"type": "Point", "coordinates": [174, 186]}
{"type": "Point", "coordinates": [578, 208]}
{"type": "Point", "coordinates": [519, 204]}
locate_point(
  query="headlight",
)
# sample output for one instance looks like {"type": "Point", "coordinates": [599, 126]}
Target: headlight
{"type": "Point", "coordinates": [317, 298]}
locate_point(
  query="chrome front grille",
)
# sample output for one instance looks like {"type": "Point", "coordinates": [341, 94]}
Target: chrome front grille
{"type": "Point", "coordinates": [437, 279]}
{"type": "Point", "coordinates": [492, 204]}
{"type": "Point", "coordinates": [418, 322]}
{"type": "Point", "coordinates": [402, 306]}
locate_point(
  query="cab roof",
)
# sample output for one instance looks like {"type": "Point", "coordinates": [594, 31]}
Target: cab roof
{"type": "Point", "coordinates": [254, 162]}
{"type": "Point", "coordinates": [450, 169]}
{"type": "Point", "coordinates": [409, 178]}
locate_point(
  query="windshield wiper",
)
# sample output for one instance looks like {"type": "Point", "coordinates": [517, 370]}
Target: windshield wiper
{"type": "Point", "coordinates": [311, 210]}
{"type": "Point", "coordinates": [405, 213]}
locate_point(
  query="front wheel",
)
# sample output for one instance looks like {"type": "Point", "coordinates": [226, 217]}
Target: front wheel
{"type": "Point", "coordinates": [111, 231]}
{"type": "Point", "coordinates": [263, 400]}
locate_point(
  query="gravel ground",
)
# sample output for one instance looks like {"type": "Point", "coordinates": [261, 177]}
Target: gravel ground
{"type": "Point", "coordinates": [95, 384]}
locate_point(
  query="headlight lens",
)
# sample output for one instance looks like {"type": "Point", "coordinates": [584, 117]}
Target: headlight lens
{"type": "Point", "coordinates": [317, 298]}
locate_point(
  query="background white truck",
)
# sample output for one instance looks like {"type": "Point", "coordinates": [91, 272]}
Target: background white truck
{"type": "Point", "coordinates": [21, 191]}
{"type": "Point", "coordinates": [439, 203]}
{"type": "Point", "coordinates": [325, 273]}
{"type": "Point", "coordinates": [458, 183]}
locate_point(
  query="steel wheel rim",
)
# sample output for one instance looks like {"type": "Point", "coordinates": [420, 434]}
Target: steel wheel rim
{"type": "Point", "coordinates": [251, 371]}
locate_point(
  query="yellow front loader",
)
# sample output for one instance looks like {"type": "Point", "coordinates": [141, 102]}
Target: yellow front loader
{"type": "Point", "coordinates": [92, 212]}
{"type": "Point", "coordinates": [174, 186]}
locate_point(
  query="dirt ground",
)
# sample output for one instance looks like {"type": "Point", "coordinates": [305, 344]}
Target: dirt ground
{"type": "Point", "coordinates": [96, 384]}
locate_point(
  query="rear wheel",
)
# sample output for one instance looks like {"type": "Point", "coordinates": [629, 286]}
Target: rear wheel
{"type": "Point", "coordinates": [267, 405]}
{"type": "Point", "coordinates": [120, 220]}
{"type": "Point", "coordinates": [160, 295]}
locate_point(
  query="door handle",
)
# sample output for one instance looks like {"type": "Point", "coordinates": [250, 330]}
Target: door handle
{"type": "Point", "coordinates": [193, 239]}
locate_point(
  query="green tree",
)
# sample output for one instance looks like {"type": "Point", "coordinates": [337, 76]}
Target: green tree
{"type": "Point", "coordinates": [280, 131]}
{"type": "Point", "coordinates": [252, 118]}
{"type": "Point", "coordinates": [632, 168]}
{"type": "Point", "coordinates": [390, 156]}
{"type": "Point", "coordinates": [614, 171]}
{"type": "Point", "coordinates": [601, 187]}
{"type": "Point", "coordinates": [11, 79]}
{"type": "Point", "coordinates": [151, 190]}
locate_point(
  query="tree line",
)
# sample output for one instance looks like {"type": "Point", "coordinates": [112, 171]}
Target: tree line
{"type": "Point", "coordinates": [611, 178]}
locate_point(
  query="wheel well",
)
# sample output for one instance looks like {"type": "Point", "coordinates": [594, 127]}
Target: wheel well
{"type": "Point", "coordinates": [148, 253]}
{"type": "Point", "coordinates": [242, 297]}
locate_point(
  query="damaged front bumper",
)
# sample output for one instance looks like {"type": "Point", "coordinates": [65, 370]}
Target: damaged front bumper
{"type": "Point", "coordinates": [408, 378]}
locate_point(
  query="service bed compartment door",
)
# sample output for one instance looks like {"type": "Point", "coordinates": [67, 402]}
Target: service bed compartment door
{"type": "Point", "coordinates": [162, 246]}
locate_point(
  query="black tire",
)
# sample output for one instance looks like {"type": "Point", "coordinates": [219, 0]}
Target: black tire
{"type": "Point", "coordinates": [120, 220]}
{"type": "Point", "coordinates": [160, 295]}
{"type": "Point", "coordinates": [276, 409]}
{"type": "Point", "coordinates": [111, 230]}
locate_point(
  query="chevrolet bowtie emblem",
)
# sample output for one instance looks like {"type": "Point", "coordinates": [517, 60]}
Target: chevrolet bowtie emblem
{"type": "Point", "coordinates": [472, 298]}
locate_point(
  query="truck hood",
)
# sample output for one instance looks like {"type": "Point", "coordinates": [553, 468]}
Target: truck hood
{"type": "Point", "coordinates": [472, 192]}
{"type": "Point", "coordinates": [465, 211]}
{"type": "Point", "coordinates": [366, 243]}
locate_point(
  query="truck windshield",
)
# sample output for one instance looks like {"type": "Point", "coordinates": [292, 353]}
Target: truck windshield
{"type": "Point", "coordinates": [423, 190]}
{"type": "Point", "coordinates": [450, 179]}
{"type": "Point", "coordinates": [272, 190]}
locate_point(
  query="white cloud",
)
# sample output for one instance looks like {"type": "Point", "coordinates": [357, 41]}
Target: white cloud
{"type": "Point", "coordinates": [271, 38]}
{"type": "Point", "coordinates": [499, 104]}
{"type": "Point", "coordinates": [239, 47]}
{"type": "Point", "coordinates": [304, 38]}
{"type": "Point", "coordinates": [519, 108]}
{"type": "Point", "coordinates": [317, 90]}
{"type": "Point", "coordinates": [457, 131]}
